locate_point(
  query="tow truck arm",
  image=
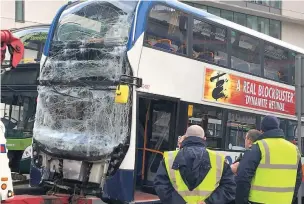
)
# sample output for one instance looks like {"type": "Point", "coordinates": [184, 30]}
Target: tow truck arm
{"type": "Point", "coordinates": [15, 48]}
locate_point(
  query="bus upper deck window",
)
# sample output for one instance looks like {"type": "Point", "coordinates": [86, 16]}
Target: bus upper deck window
{"type": "Point", "coordinates": [245, 55]}
{"type": "Point", "coordinates": [167, 29]}
{"type": "Point", "coordinates": [278, 63]}
{"type": "Point", "coordinates": [209, 43]}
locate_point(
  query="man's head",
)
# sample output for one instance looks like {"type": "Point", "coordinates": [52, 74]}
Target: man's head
{"type": "Point", "coordinates": [193, 130]}
{"type": "Point", "coordinates": [251, 137]}
{"type": "Point", "coordinates": [269, 123]}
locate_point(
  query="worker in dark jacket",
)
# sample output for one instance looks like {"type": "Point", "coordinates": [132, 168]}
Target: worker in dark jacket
{"type": "Point", "coordinates": [194, 174]}
{"type": "Point", "coordinates": [250, 138]}
{"type": "Point", "coordinates": [271, 171]}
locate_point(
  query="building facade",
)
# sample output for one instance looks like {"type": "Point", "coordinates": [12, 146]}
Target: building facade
{"type": "Point", "coordinates": [21, 13]}
{"type": "Point", "coordinates": [280, 19]}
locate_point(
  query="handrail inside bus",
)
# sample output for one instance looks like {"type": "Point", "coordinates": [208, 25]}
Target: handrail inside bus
{"type": "Point", "coordinates": [145, 143]}
{"type": "Point", "coordinates": [151, 150]}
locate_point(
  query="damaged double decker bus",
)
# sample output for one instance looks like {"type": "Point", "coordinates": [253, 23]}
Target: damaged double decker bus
{"type": "Point", "coordinates": [120, 81]}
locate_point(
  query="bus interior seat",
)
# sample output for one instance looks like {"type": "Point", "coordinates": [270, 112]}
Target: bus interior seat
{"type": "Point", "coordinates": [160, 30]}
{"type": "Point", "coordinates": [164, 44]}
{"type": "Point", "coordinates": [209, 56]}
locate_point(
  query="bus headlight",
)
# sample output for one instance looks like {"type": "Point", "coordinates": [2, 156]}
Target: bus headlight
{"type": "Point", "coordinates": [10, 193]}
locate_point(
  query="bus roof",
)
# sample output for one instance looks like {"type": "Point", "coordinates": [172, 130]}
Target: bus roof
{"type": "Point", "coordinates": [204, 14]}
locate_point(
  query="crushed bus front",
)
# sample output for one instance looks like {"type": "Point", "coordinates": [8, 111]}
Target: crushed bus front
{"type": "Point", "coordinates": [82, 131]}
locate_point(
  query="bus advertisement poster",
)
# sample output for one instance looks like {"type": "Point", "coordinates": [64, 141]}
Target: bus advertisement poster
{"type": "Point", "coordinates": [236, 90]}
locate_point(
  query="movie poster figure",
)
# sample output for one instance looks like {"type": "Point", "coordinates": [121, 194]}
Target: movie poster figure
{"type": "Point", "coordinates": [218, 91]}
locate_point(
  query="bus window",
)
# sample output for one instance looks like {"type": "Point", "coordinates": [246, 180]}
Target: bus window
{"type": "Point", "coordinates": [33, 46]}
{"type": "Point", "coordinates": [245, 55]}
{"type": "Point", "coordinates": [167, 29]}
{"type": "Point", "coordinates": [210, 119]}
{"type": "Point", "coordinates": [290, 134]}
{"type": "Point", "coordinates": [209, 43]}
{"type": "Point", "coordinates": [276, 63]}
{"type": "Point", "coordinates": [238, 125]}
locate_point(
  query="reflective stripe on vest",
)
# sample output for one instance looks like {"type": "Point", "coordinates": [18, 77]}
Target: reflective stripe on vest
{"type": "Point", "coordinates": [275, 183]}
{"type": "Point", "coordinates": [267, 164]}
{"type": "Point", "coordinates": [197, 191]}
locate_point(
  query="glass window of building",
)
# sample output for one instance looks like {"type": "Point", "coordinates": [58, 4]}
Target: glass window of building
{"type": "Point", "coordinates": [214, 11]}
{"type": "Point", "coordinates": [209, 43]}
{"type": "Point", "coordinates": [245, 55]}
{"type": "Point", "coordinates": [227, 15]}
{"type": "Point", "coordinates": [238, 124]}
{"type": "Point", "coordinates": [252, 22]}
{"type": "Point", "coordinates": [167, 29]}
{"type": "Point", "coordinates": [275, 29]}
{"type": "Point", "coordinates": [200, 6]}
{"type": "Point", "coordinates": [276, 63]}
{"type": "Point", "coordinates": [240, 18]}
{"type": "Point", "coordinates": [263, 25]}
{"type": "Point", "coordinates": [275, 4]}
{"type": "Point", "coordinates": [19, 10]}
{"type": "Point", "coordinates": [210, 119]}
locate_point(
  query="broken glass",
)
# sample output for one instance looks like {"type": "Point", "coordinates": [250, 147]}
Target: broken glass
{"type": "Point", "coordinates": [76, 112]}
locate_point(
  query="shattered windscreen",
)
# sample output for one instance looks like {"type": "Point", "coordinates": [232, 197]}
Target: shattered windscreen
{"type": "Point", "coordinates": [76, 114]}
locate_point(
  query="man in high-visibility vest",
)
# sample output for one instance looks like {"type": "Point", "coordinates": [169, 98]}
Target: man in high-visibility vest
{"type": "Point", "coordinates": [270, 173]}
{"type": "Point", "coordinates": [194, 174]}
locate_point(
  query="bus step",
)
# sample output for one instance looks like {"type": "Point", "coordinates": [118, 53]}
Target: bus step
{"type": "Point", "coordinates": [145, 198]}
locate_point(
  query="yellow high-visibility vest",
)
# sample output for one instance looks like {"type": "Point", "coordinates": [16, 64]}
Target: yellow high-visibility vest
{"type": "Point", "coordinates": [275, 178]}
{"type": "Point", "coordinates": [208, 185]}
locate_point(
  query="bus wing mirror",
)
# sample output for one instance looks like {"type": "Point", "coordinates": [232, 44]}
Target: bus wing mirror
{"type": "Point", "coordinates": [122, 94]}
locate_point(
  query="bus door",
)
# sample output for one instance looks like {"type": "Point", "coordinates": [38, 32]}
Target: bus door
{"type": "Point", "coordinates": [156, 134]}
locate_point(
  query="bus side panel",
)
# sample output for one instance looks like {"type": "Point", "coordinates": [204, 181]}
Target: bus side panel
{"type": "Point", "coordinates": [181, 77]}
